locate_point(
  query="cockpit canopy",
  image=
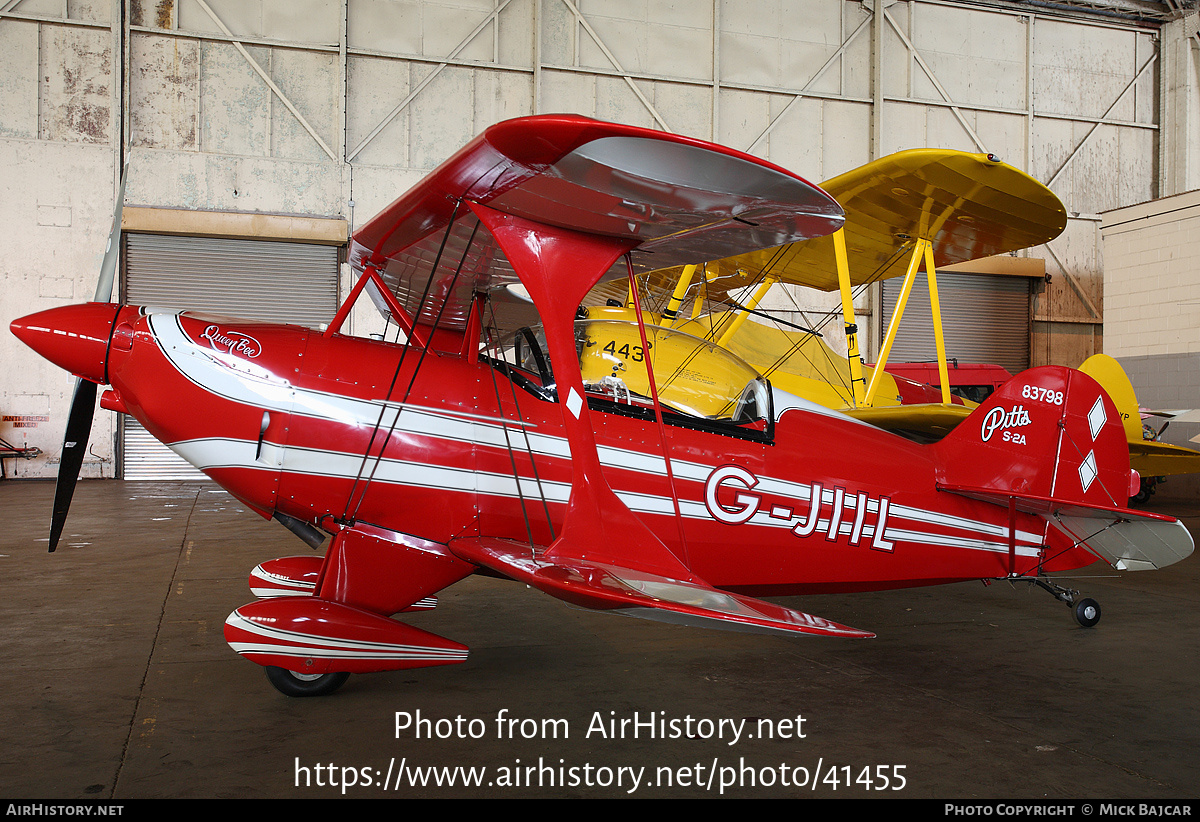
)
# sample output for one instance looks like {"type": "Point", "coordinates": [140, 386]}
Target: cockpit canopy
{"type": "Point", "coordinates": [694, 378]}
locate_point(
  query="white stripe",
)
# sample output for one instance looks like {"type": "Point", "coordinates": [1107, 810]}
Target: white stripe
{"type": "Point", "coordinates": [325, 653]}
{"type": "Point", "coordinates": [242, 381]}
{"type": "Point", "coordinates": [294, 643]}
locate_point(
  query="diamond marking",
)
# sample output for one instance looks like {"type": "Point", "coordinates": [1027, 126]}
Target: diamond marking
{"type": "Point", "coordinates": [1087, 470]}
{"type": "Point", "coordinates": [1097, 417]}
{"type": "Point", "coordinates": [574, 403]}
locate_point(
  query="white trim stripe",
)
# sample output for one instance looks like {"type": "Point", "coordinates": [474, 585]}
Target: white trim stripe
{"type": "Point", "coordinates": [292, 643]}
{"type": "Point", "coordinates": [241, 381]}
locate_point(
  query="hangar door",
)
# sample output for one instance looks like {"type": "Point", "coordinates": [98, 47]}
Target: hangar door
{"type": "Point", "coordinates": [252, 279]}
{"type": "Point", "coordinates": [985, 319]}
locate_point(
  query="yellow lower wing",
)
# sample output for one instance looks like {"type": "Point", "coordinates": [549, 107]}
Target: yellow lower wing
{"type": "Point", "coordinates": [932, 420]}
{"type": "Point", "coordinates": [1160, 459]}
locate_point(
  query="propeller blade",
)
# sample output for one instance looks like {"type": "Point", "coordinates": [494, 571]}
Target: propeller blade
{"type": "Point", "coordinates": [79, 428]}
{"type": "Point", "coordinates": [83, 403]}
{"type": "Point", "coordinates": [108, 266]}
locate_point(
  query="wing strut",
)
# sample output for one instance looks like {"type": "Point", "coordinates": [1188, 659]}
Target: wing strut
{"type": "Point", "coordinates": [370, 276]}
{"type": "Point", "coordinates": [739, 317]}
{"type": "Point", "coordinates": [558, 267]}
{"type": "Point", "coordinates": [681, 288]}
{"type": "Point", "coordinates": [922, 251]}
{"type": "Point", "coordinates": [852, 354]}
{"type": "Point", "coordinates": [658, 415]}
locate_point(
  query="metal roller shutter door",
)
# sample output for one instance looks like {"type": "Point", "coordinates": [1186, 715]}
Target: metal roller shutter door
{"type": "Point", "coordinates": [253, 279]}
{"type": "Point", "coordinates": [985, 319]}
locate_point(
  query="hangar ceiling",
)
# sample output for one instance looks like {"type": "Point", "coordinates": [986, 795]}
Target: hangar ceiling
{"type": "Point", "coordinates": [1140, 10]}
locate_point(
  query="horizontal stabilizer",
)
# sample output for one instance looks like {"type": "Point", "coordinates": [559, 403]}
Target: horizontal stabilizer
{"type": "Point", "coordinates": [1130, 545]}
{"type": "Point", "coordinates": [1128, 540]}
{"type": "Point", "coordinates": [643, 594]}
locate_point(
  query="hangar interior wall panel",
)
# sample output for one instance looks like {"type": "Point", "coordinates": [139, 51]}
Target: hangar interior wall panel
{"type": "Point", "coordinates": [985, 319]}
{"type": "Point", "coordinates": [251, 279]}
{"type": "Point", "coordinates": [333, 109]}
{"type": "Point", "coordinates": [1152, 308]}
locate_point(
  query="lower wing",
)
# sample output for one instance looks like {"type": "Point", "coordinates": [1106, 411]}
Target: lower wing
{"type": "Point", "coordinates": [634, 592]}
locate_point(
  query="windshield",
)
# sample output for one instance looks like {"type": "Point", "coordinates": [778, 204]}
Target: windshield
{"type": "Point", "coordinates": [694, 377]}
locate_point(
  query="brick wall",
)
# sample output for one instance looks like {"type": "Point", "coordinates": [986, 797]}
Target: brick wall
{"type": "Point", "coordinates": [1152, 309]}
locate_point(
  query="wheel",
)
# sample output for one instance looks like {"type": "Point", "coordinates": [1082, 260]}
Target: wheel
{"type": "Point", "coordinates": [1145, 490]}
{"type": "Point", "coordinates": [292, 683]}
{"type": "Point", "coordinates": [1087, 612]}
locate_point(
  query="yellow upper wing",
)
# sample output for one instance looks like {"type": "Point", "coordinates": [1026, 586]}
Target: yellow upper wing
{"type": "Point", "coordinates": [968, 206]}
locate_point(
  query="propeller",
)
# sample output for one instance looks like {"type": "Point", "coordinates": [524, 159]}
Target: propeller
{"type": "Point", "coordinates": [83, 401]}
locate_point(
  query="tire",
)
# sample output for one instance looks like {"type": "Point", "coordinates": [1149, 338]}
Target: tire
{"type": "Point", "coordinates": [1146, 489]}
{"type": "Point", "coordinates": [1087, 612]}
{"type": "Point", "coordinates": [291, 683]}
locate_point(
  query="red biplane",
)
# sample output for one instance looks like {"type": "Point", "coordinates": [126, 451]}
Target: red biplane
{"type": "Point", "coordinates": [459, 451]}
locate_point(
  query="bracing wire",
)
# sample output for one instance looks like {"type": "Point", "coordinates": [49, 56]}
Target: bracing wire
{"type": "Point", "coordinates": [347, 515]}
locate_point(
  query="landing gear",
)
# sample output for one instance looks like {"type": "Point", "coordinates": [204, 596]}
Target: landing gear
{"type": "Point", "coordinates": [291, 683]}
{"type": "Point", "coordinates": [1087, 611]}
{"type": "Point", "coordinates": [1146, 489]}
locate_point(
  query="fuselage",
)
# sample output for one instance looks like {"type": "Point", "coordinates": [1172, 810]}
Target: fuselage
{"type": "Point", "coordinates": [334, 429]}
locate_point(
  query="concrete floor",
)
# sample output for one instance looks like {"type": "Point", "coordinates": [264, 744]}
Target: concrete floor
{"type": "Point", "coordinates": [120, 685]}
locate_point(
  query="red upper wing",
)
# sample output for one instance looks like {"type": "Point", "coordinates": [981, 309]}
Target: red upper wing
{"type": "Point", "coordinates": [683, 200]}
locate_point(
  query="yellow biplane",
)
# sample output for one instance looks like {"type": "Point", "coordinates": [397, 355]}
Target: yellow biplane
{"type": "Point", "coordinates": [1148, 456]}
{"type": "Point", "coordinates": [918, 209]}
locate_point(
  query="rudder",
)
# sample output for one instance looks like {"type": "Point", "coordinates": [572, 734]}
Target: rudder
{"type": "Point", "coordinates": [1049, 432]}
{"type": "Point", "coordinates": [1113, 379]}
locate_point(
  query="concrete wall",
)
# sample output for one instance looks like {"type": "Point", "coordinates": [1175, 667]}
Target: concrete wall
{"type": "Point", "coordinates": [1152, 295]}
{"type": "Point", "coordinates": [1152, 278]}
{"type": "Point", "coordinates": [332, 109]}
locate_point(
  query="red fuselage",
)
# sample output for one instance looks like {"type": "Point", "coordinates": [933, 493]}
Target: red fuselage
{"type": "Point", "coordinates": [293, 421]}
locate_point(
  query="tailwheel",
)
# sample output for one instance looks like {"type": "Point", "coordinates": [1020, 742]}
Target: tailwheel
{"type": "Point", "coordinates": [292, 683]}
{"type": "Point", "coordinates": [1087, 612]}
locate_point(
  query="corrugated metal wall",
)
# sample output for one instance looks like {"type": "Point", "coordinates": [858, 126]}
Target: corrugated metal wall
{"type": "Point", "coordinates": [251, 279]}
{"type": "Point", "coordinates": [985, 319]}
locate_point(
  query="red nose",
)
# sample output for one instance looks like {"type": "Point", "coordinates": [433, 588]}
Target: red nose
{"type": "Point", "coordinates": [74, 337]}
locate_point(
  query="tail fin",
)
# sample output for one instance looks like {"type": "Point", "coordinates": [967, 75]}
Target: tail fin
{"type": "Point", "coordinates": [1049, 432]}
{"type": "Point", "coordinates": [1051, 442]}
{"type": "Point", "coordinates": [1113, 379]}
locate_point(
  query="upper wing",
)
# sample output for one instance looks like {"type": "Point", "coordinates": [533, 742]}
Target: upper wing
{"type": "Point", "coordinates": [968, 205]}
{"type": "Point", "coordinates": [679, 200]}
